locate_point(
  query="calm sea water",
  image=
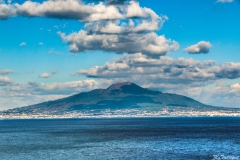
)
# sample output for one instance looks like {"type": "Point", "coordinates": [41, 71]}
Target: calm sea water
{"type": "Point", "coordinates": [138, 138]}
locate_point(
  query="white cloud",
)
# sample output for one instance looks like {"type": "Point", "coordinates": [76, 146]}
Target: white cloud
{"type": "Point", "coordinates": [227, 95]}
{"type": "Point", "coordinates": [224, 1]}
{"type": "Point", "coordinates": [44, 75]}
{"type": "Point", "coordinates": [33, 93]}
{"type": "Point", "coordinates": [6, 10]}
{"type": "Point", "coordinates": [23, 44]}
{"type": "Point", "coordinates": [5, 72]}
{"type": "Point", "coordinates": [104, 26]}
{"type": "Point", "coordinates": [74, 9]}
{"type": "Point", "coordinates": [67, 87]}
{"type": "Point", "coordinates": [150, 44]}
{"type": "Point", "coordinates": [5, 81]}
{"type": "Point", "coordinates": [166, 70]}
{"type": "Point", "coordinates": [13, 101]}
{"type": "Point", "coordinates": [37, 89]}
{"type": "Point", "coordinates": [222, 95]}
{"type": "Point", "coordinates": [152, 23]}
{"type": "Point", "coordinates": [118, 36]}
{"type": "Point", "coordinates": [40, 43]}
{"type": "Point", "coordinates": [47, 75]}
{"type": "Point", "coordinates": [200, 47]}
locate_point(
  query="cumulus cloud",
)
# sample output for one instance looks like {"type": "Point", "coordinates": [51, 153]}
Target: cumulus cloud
{"type": "Point", "coordinates": [74, 9]}
{"type": "Point", "coordinates": [47, 75]}
{"type": "Point", "coordinates": [40, 43]}
{"type": "Point", "coordinates": [224, 1]}
{"type": "Point", "coordinates": [67, 9]}
{"type": "Point", "coordinates": [110, 27]}
{"type": "Point", "coordinates": [228, 70]}
{"type": "Point", "coordinates": [150, 44]}
{"type": "Point", "coordinates": [152, 23]}
{"type": "Point", "coordinates": [219, 94]}
{"type": "Point", "coordinates": [222, 95]}
{"type": "Point", "coordinates": [5, 81]}
{"type": "Point", "coordinates": [6, 10]}
{"type": "Point", "coordinates": [5, 72]}
{"type": "Point", "coordinates": [129, 36]}
{"type": "Point", "coordinates": [22, 44]}
{"type": "Point", "coordinates": [44, 75]}
{"type": "Point", "coordinates": [200, 47]}
{"type": "Point", "coordinates": [64, 88]}
{"type": "Point", "coordinates": [33, 93]}
{"type": "Point", "coordinates": [37, 89]}
{"type": "Point", "coordinates": [165, 70]}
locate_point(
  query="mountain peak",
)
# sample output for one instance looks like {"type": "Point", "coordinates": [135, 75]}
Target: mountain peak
{"type": "Point", "coordinates": [119, 85]}
{"type": "Point", "coordinates": [128, 88]}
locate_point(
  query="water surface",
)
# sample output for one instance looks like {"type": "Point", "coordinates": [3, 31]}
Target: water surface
{"type": "Point", "coordinates": [126, 138]}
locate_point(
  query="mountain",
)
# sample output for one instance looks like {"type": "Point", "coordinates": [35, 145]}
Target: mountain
{"type": "Point", "coordinates": [118, 96]}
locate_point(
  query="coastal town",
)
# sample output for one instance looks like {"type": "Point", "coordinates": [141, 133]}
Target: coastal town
{"type": "Point", "coordinates": [125, 113]}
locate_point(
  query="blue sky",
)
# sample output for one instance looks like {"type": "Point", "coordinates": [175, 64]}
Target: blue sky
{"type": "Point", "coordinates": [43, 56]}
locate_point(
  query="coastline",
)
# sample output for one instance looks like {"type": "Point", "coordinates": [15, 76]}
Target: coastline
{"type": "Point", "coordinates": [111, 117]}
{"type": "Point", "coordinates": [127, 113]}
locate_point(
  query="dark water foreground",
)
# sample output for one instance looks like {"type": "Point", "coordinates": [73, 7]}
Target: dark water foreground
{"type": "Point", "coordinates": [138, 138]}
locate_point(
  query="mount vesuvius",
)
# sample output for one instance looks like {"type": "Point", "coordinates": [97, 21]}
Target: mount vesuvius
{"type": "Point", "coordinates": [118, 96]}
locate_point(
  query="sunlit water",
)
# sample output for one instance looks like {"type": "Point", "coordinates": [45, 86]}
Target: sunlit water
{"type": "Point", "coordinates": [138, 138]}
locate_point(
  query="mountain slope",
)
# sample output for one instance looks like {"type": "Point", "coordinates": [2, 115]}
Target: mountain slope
{"type": "Point", "coordinates": [125, 95]}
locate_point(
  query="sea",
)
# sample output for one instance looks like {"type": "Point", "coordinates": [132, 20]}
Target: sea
{"type": "Point", "coordinates": [172, 138]}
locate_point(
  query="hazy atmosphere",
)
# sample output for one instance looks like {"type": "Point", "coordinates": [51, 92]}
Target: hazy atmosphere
{"type": "Point", "coordinates": [56, 48]}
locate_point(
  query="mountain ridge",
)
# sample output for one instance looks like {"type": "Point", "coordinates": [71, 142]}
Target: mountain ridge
{"type": "Point", "coordinates": [118, 96]}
